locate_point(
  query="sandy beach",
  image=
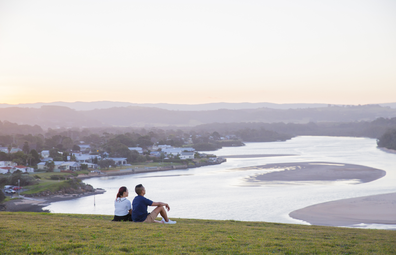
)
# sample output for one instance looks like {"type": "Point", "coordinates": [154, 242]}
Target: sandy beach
{"type": "Point", "coordinates": [377, 209]}
{"type": "Point", "coordinates": [313, 171]}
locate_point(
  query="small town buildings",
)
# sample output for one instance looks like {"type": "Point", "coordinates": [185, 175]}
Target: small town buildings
{"type": "Point", "coordinates": [177, 151]}
{"type": "Point", "coordinates": [13, 150]}
{"type": "Point", "coordinates": [61, 166]}
{"type": "Point", "coordinates": [10, 168]}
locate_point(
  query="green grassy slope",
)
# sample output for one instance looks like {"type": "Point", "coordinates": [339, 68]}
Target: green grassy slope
{"type": "Point", "coordinates": [42, 233]}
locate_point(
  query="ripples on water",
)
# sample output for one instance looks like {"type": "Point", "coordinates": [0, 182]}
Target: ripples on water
{"type": "Point", "coordinates": [217, 192]}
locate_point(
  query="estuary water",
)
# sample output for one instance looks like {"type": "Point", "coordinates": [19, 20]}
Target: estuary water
{"type": "Point", "coordinates": [222, 192]}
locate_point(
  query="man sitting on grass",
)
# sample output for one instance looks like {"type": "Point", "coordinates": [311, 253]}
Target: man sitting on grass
{"type": "Point", "coordinates": [139, 206]}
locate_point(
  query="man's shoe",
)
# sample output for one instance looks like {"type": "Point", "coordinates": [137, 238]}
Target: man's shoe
{"type": "Point", "coordinates": [168, 222]}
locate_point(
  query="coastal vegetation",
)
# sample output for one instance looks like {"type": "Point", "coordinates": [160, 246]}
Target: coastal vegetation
{"type": "Point", "coordinates": [44, 233]}
{"type": "Point", "coordinates": [46, 183]}
{"type": "Point", "coordinates": [388, 140]}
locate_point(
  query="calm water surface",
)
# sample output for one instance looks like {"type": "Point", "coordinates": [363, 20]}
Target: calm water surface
{"type": "Point", "coordinates": [219, 192]}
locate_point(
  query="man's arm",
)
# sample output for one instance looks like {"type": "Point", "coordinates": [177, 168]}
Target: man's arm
{"type": "Point", "coordinates": [161, 204]}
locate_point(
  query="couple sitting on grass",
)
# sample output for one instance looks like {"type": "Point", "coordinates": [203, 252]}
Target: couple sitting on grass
{"type": "Point", "coordinates": [123, 210]}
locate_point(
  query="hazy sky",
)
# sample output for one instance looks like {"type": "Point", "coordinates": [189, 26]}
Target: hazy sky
{"type": "Point", "coordinates": [341, 52]}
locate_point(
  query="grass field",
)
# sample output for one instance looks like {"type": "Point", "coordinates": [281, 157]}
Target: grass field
{"type": "Point", "coordinates": [44, 233]}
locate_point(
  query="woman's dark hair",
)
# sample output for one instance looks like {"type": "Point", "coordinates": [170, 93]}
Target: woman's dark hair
{"type": "Point", "coordinates": [121, 191]}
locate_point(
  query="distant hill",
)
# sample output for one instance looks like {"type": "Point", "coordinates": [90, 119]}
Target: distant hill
{"type": "Point", "coordinates": [86, 106]}
{"type": "Point", "coordinates": [133, 116]}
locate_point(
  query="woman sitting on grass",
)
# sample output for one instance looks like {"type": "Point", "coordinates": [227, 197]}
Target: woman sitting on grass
{"type": "Point", "coordinates": [123, 209]}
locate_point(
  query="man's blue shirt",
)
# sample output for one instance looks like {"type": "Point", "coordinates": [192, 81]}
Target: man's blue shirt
{"type": "Point", "coordinates": [139, 208]}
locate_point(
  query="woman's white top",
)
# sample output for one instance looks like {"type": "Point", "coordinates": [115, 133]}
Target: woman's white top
{"type": "Point", "coordinates": [122, 206]}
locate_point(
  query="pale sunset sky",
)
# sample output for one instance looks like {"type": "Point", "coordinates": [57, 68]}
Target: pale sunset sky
{"type": "Point", "coordinates": [191, 52]}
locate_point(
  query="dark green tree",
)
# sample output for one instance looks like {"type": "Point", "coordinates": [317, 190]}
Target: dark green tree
{"type": "Point", "coordinates": [2, 196]}
{"type": "Point", "coordinates": [50, 165]}
{"type": "Point", "coordinates": [106, 163]}
{"type": "Point", "coordinates": [388, 140]}
{"type": "Point", "coordinates": [26, 148]}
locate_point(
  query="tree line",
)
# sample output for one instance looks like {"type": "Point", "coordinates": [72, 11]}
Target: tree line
{"type": "Point", "coordinates": [115, 141]}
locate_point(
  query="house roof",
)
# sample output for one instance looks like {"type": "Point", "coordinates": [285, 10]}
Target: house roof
{"type": "Point", "coordinates": [115, 159]}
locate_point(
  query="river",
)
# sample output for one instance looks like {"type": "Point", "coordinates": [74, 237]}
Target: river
{"type": "Point", "coordinates": [220, 192]}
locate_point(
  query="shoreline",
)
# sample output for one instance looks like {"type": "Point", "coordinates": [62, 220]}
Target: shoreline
{"type": "Point", "coordinates": [139, 170]}
{"type": "Point", "coordinates": [387, 150]}
{"type": "Point", "coordinates": [374, 209]}
{"type": "Point", "coordinates": [36, 204]}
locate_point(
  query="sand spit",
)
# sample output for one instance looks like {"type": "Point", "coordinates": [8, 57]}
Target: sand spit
{"type": "Point", "coordinates": [314, 171]}
{"type": "Point", "coordinates": [258, 155]}
{"type": "Point", "coordinates": [377, 209]}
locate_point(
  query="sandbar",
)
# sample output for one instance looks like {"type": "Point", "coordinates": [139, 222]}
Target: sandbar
{"type": "Point", "coordinates": [257, 155]}
{"type": "Point", "coordinates": [313, 171]}
{"type": "Point", "coordinates": [376, 209]}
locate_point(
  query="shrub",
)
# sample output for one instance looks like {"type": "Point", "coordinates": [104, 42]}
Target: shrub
{"type": "Point", "coordinates": [2, 196]}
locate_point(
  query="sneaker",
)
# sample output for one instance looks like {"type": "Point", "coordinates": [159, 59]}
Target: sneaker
{"type": "Point", "coordinates": [168, 222]}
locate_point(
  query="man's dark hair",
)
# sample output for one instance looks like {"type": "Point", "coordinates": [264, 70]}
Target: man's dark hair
{"type": "Point", "coordinates": [139, 188]}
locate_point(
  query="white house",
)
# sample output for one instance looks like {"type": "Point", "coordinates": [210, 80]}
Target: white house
{"type": "Point", "coordinates": [85, 158]}
{"type": "Point", "coordinates": [5, 169]}
{"type": "Point", "coordinates": [41, 166]}
{"type": "Point", "coordinates": [177, 151]}
{"type": "Point", "coordinates": [91, 165]}
{"type": "Point", "coordinates": [70, 165]}
{"type": "Point", "coordinates": [11, 169]}
{"type": "Point", "coordinates": [162, 147]}
{"type": "Point", "coordinates": [7, 163]}
{"type": "Point", "coordinates": [119, 161]}
{"type": "Point", "coordinates": [188, 149]}
{"type": "Point", "coordinates": [172, 151]}
{"type": "Point", "coordinates": [155, 153]}
{"type": "Point", "coordinates": [13, 150]}
{"type": "Point", "coordinates": [24, 169]}
{"type": "Point", "coordinates": [187, 155]}
{"type": "Point", "coordinates": [138, 149]}
{"type": "Point", "coordinates": [47, 159]}
{"type": "Point", "coordinates": [4, 149]}
{"type": "Point", "coordinates": [85, 147]}
{"type": "Point", "coordinates": [45, 154]}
